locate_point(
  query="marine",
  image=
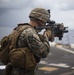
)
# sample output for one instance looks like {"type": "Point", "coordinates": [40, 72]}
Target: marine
{"type": "Point", "coordinates": [31, 46]}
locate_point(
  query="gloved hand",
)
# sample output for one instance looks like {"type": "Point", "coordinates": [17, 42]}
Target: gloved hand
{"type": "Point", "coordinates": [41, 37]}
{"type": "Point", "coordinates": [49, 35]}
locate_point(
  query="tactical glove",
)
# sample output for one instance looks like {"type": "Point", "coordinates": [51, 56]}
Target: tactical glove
{"type": "Point", "coordinates": [41, 37]}
{"type": "Point", "coordinates": [49, 35]}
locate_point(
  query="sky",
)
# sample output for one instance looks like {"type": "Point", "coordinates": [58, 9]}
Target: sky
{"type": "Point", "coordinates": [13, 12]}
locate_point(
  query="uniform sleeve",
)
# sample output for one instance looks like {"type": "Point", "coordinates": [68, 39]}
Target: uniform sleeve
{"type": "Point", "coordinates": [39, 48]}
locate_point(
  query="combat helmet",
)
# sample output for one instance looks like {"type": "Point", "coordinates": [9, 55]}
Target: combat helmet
{"type": "Point", "coordinates": [40, 14]}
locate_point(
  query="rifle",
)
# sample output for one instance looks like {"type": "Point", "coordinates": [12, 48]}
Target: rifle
{"type": "Point", "coordinates": [58, 29]}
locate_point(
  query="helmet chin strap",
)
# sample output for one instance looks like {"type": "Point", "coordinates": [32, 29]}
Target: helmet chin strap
{"type": "Point", "coordinates": [39, 23]}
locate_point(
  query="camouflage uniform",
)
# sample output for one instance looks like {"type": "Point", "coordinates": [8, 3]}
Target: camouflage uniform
{"type": "Point", "coordinates": [39, 46]}
{"type": "Point", "coordinates": [30, 38]}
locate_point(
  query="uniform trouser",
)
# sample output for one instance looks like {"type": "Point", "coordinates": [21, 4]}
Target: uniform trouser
{"type": "Point", "coordinates": [10, 70]}
{"type": "Point", "coordinates": [21, 71]}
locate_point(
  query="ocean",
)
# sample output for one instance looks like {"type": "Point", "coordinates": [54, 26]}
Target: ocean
{"type": "Point", "coordinates": [68, 38]}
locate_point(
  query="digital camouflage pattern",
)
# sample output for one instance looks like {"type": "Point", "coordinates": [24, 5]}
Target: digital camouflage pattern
{"type": "Point", "coordinates": [30, 38]}
{"type": "Point", "coordinates": [38, 44]}
{"type": "Point", "coordinates": [40, 14]}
